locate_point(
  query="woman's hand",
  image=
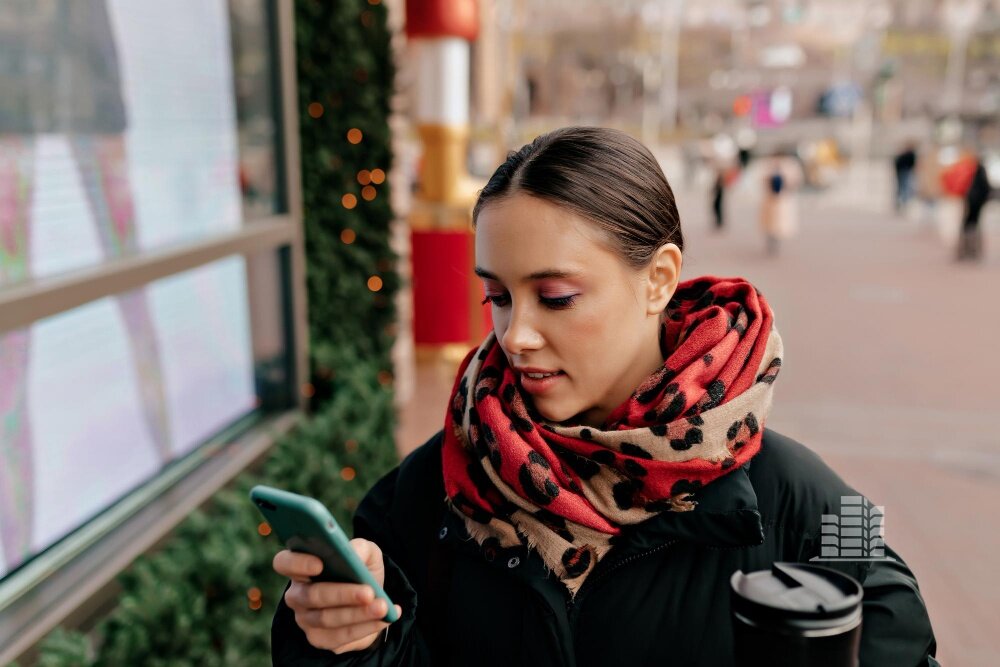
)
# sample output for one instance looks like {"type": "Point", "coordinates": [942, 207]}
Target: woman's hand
{"type": "Point", "coordinates": [335, 616]}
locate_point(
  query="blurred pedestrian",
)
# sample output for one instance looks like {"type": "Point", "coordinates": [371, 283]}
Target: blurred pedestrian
{"type": "Point", "coordinates": [970, 242]}
{"type": "Point", "coordinates": [725, 175]}
{"type": "Point", "coordinates": [927, 180]}
{"type": "Point", "coordinates": [905, 164]}
{"type": "Point", "coordinates": [718, 196]}
{"type": "Point", "coordinates": [778, 213]}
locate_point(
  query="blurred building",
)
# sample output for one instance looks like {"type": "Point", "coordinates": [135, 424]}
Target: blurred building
{"type": "Point", "coordinates": [670, 67]}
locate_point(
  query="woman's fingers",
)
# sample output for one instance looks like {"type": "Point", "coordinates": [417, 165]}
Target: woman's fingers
{"type": "Point", "coordinates": [335, 617]}
{"type": "Point", "coordinates": [296, 566]}
{"type": "Point", "coordinates": [302, 596]}
{"type": "Point", "coordinates": [371, 555]}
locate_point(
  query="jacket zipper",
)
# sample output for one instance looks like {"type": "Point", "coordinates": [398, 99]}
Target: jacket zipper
{"type": "Point", "coordinates": [572, 603]}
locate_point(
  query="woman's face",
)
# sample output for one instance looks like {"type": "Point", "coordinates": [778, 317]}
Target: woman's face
{"type": "Point", "coordinates": [564, 304]}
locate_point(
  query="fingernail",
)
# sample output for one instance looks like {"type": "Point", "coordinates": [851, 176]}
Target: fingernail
{"type": "Point", "coordinates": [377, 608]}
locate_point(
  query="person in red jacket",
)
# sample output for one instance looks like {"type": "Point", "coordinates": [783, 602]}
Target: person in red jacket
{"type": "Point", "coordinates": [970, 243]}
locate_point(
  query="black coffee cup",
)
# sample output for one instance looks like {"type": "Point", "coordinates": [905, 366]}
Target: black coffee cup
{"type": "Point", "coordinates": [796, 615]}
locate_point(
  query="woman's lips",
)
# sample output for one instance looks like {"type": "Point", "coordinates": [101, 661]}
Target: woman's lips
{"type": "Point", "coordinates": [539, 386]}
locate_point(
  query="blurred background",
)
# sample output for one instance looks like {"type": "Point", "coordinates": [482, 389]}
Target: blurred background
{"type": "Point", "coordinates": [235, 249]}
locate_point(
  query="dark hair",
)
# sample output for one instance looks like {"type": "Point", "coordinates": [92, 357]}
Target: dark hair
{"type": "Point", "coordinates": [601, 174]}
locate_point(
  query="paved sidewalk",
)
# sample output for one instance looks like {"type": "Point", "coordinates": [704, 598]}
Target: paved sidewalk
{"type": "Point", "coordinates": [891, 374]}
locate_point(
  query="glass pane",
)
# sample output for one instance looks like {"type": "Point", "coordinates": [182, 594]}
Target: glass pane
{"type": "Point", "coordinates": [97, 400]}
{"type": "Point", "coordinates": [118, 131]}
{"type": "Point", "coordinates": [255, 64]}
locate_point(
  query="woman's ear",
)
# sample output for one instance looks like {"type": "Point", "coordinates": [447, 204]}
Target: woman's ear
{"type": "Point", "coordinates": [663, 275]}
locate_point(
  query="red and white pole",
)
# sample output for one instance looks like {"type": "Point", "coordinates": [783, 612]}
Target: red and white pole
{"type": "Point", "coordinates": [446, 308]}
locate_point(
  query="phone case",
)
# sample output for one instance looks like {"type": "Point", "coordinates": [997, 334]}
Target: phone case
{"type": "Point", "coordinates": [304, 525]}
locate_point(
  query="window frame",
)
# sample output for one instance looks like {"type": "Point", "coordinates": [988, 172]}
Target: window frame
{"type": "Point", "coordinates": [74, 580]}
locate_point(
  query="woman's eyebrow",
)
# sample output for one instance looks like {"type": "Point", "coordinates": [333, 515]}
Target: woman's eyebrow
{"type": "Point", "coordinates": [537, 275]}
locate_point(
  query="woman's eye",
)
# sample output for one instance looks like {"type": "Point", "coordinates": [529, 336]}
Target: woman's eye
{"type": "Point", "coordinates": [497, 299]}
{"type": "Point", "coordinates": [503, 300]}
{"type": "Point", "coordinates": [558, 301]}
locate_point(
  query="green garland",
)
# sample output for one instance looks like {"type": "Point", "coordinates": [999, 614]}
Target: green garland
{"type": "Point", "coordinates": [206, 596]}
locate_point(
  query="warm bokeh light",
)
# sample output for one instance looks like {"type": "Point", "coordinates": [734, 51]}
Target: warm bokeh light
{"type": "Point", "coordinates": [368, 192]}
{"type": "Point", "coordinates": [254, 593]}
{"type": "Point", "coordinates": [378, 176]}
{"type": "Point", "coordinates": [349, 201]}
{"type": "Point", "coordinates": [374, 283]}
{"type": "Point", "coordinates": [255, 605]}
{"type": "Point", "coordinates": [364, 177]}
{"type": "Point", "coordinates": [354, 135]}
{"type": "Point", "coordinates": [264, 528]}
{"type": "Point", "coordinates": [348, 473]}
{"type": "Point", "coordinates": [374, 2]}
{"type": "Point", "coordinates": [384, 378]}
{"type": "Point", "coordinates": [348, 236]}
{"type": "Point", "coordinates": [308, 390]}
{"type": "Point", "coordinates": [351, 446]}
{"type": "Point", "coordinates": [315, 109]}
{"type": "Point", "coordinates": [742, 105]}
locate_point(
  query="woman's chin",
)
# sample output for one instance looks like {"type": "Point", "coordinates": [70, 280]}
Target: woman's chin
{"type": "Point", "coordinates": [553, 413]}
{"type": "Point", "coordinates": [563, 415]}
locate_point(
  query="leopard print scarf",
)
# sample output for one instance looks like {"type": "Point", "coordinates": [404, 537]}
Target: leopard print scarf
{"type": "Point", "coordinates": [566, 490]}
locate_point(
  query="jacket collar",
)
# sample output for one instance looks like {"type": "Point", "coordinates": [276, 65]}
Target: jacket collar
{"type": "Point", "coordinates": [726, 516]}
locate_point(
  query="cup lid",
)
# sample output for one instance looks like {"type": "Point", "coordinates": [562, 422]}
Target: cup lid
{"type": "Point", "coordinates": [795, 591]}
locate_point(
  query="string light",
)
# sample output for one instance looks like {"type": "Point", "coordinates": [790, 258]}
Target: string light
{"type": "Point", "coordinates": [315, 109]}
{"type": "Point", "coordinates": [264, 529]}
{"type": "Point", "coordinates": [368, 192]}
{"type": "Point", "coordinates": [348, 236]}
{"type": "Point", "coordinates": [364, 177]}
{"type": "Point", "coordinates": [349, 201]}
{"type": "Point", "coordinates": [308, 390]}
{"type": "Point", "coordinates": [348, 473]}
{"type": "Point", "coordinates": [253, 594]}
{"type": "Point", "coordinates": [374, 283]}
{"type": "Point", "coordinates": [378, 176]}
{"type": "Point", "coordinates": [255, 605]}
{"type": "Point", "coordinates": [354, 135]}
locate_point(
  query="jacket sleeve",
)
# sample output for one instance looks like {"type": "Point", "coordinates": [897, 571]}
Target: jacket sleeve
{"type": "Point", "coordinates": [404, 644]}
{"type": "Point", "coordinates": [896, 629]}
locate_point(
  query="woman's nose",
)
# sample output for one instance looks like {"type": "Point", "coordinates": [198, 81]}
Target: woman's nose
{"type": "Point", "coordinates": [520, 335]}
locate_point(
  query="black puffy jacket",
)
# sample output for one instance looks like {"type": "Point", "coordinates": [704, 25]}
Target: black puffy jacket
{"type": "Point", "coordinates": [659, 597]}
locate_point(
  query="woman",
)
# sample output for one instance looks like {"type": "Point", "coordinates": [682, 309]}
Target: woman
{"type": "Point", "coordinates": [779, 217]}
{"type": "Point", "coordinates": [603, 469]}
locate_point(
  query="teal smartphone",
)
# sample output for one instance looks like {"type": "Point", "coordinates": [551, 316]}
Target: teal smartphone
{"type": "Point", "coordinates": [304, 525]}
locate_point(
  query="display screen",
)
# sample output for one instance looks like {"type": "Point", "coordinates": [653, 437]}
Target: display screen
{"type": "Point", "coordinates": [107, 394]}
{"type": "Point", "coordinates": [119, 136]}
{"type": "Point", "coordinates": [118, 131]}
